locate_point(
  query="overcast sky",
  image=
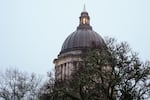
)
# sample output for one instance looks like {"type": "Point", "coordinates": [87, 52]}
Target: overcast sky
{"type": "Point", "coordinates": [32, 31]}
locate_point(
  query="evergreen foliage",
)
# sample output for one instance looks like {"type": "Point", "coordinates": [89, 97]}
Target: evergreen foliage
{"type": "Point", "coordinates": [111, 73]}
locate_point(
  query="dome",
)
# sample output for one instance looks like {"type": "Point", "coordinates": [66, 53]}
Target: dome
{"type": "Point", "coordinates": [84, 37]}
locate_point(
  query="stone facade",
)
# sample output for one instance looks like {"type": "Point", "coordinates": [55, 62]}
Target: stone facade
{"type": "Point", "coordinates": [65, 64]}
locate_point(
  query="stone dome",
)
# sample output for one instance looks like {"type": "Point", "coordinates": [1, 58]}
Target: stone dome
{"type": "Point", "coordinates": [84, 37]}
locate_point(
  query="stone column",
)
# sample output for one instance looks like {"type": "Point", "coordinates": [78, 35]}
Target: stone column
{"type": "Point", "coordinates": [59, 72]}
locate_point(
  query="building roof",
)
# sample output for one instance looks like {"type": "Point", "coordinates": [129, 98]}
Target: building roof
{"type": "Point", "coordinates": [84, 37]}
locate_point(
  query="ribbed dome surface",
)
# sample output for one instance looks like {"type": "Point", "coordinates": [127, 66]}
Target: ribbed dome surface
{"type": "Point", "coordinates": [82, 39]}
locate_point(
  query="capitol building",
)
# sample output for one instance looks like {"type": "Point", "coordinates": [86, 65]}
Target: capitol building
{"type": "Point", "coordinates": [82, 39]}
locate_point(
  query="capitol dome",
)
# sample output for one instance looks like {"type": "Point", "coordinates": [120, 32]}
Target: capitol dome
{"type": "Point", "coordinates": [83, 38]}
{"type": "Point", "coordinates": [70, 56]}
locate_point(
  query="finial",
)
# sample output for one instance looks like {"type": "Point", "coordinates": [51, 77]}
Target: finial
{"type": "Point", "coordinates": [84, 9]}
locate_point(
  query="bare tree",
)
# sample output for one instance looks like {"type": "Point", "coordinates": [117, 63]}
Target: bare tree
{"type": "Point", "coordinates": [17, 85]}
{"type": "Point", "coordinates": [47, 89]}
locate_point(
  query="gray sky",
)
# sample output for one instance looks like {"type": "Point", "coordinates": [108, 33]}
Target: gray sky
{"type": "Point", "coordinates": [32, 31]}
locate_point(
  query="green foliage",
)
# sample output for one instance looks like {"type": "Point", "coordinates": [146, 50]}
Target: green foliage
{"type": "Point", "coordinates": [114, 72]}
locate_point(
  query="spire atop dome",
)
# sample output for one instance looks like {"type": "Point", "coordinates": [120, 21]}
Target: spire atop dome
{"type": "Point", "coordinates": [84, 9]}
